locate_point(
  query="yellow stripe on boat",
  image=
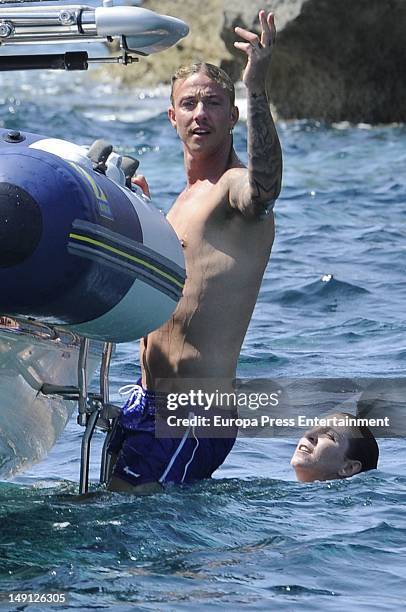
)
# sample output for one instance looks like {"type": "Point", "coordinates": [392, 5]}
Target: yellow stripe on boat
{"type": "Point", "coordinates": [107, 247]}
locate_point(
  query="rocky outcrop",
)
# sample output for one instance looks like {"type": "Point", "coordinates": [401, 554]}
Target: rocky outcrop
{"type": "Point", "coordinates": [334, 60]}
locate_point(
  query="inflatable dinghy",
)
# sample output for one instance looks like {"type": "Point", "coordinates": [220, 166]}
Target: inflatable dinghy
{"type": "Point", "coordinates": [78, 249]}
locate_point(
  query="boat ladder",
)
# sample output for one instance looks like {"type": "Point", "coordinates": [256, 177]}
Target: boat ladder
{"type": "Point", "coordinates": [94, 409]}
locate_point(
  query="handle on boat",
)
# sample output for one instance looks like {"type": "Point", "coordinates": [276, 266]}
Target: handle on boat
{"type": "Point", "coordinates": [76, 60]}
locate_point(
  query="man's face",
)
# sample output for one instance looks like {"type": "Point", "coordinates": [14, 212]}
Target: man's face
{"type": "Point", "coordinates": [321, 455]}
{"type": "Point", "coordinates": [202, 114]}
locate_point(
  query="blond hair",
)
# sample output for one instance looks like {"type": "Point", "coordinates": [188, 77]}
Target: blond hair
{"type": "Point", "coordinates": [214, 72]}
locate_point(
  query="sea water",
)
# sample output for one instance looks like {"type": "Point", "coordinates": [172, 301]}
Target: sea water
{"type": "Point", "coordinates": [332, 304]}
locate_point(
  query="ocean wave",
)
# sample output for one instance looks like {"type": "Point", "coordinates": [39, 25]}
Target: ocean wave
{"type": "Point", "coordinates": [320, 292]}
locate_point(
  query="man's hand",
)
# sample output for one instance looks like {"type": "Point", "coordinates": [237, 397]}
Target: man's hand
{"type": "Point", "coordinates": [141, 181]}
{"type": "Point", "coordinates": [259, 52]}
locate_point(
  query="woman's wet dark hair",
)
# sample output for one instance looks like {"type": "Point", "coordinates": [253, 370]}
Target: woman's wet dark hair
{"type": "Point", "coordinates": [362, 445]}
{"type": "Point", "coordinates": [364, 449]}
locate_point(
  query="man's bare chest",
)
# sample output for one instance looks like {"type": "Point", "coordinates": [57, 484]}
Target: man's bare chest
{"type": "Point", "coordinates": [206, 226]}
{"type": "Point", "coordinates": [194, 220]}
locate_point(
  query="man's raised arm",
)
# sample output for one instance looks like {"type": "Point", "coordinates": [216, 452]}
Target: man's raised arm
{"type": "Point", "coordinates": [255, 192]}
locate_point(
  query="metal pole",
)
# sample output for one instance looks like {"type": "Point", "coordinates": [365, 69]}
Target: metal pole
{"type": "Point", "coordinates": [104, 371]}
{"type": "Point", "coordinates": [82, 381]}
{"type": "Point", "coordinates": [105, 395]}
{"type": "Point", "coordinates": [85, 452]}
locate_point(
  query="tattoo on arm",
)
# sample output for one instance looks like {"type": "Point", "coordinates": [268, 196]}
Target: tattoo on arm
{"type": "Point", "coordinates": [264, 151]}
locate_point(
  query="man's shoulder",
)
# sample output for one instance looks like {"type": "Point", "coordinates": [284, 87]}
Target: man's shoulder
{"type": "Point", "coordinates": [235, 172]}
{"type": "Point", "coordinates": [218, 195]}
{"type": "Point", "coordinates": [231, 177]}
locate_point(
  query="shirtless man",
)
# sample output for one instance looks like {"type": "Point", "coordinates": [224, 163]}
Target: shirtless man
{"type": "Point", "coordinates": [225, 223]}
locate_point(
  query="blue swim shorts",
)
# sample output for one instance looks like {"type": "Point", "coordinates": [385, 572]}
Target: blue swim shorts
{"type": "Point", "coordinates": [142, 457]}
